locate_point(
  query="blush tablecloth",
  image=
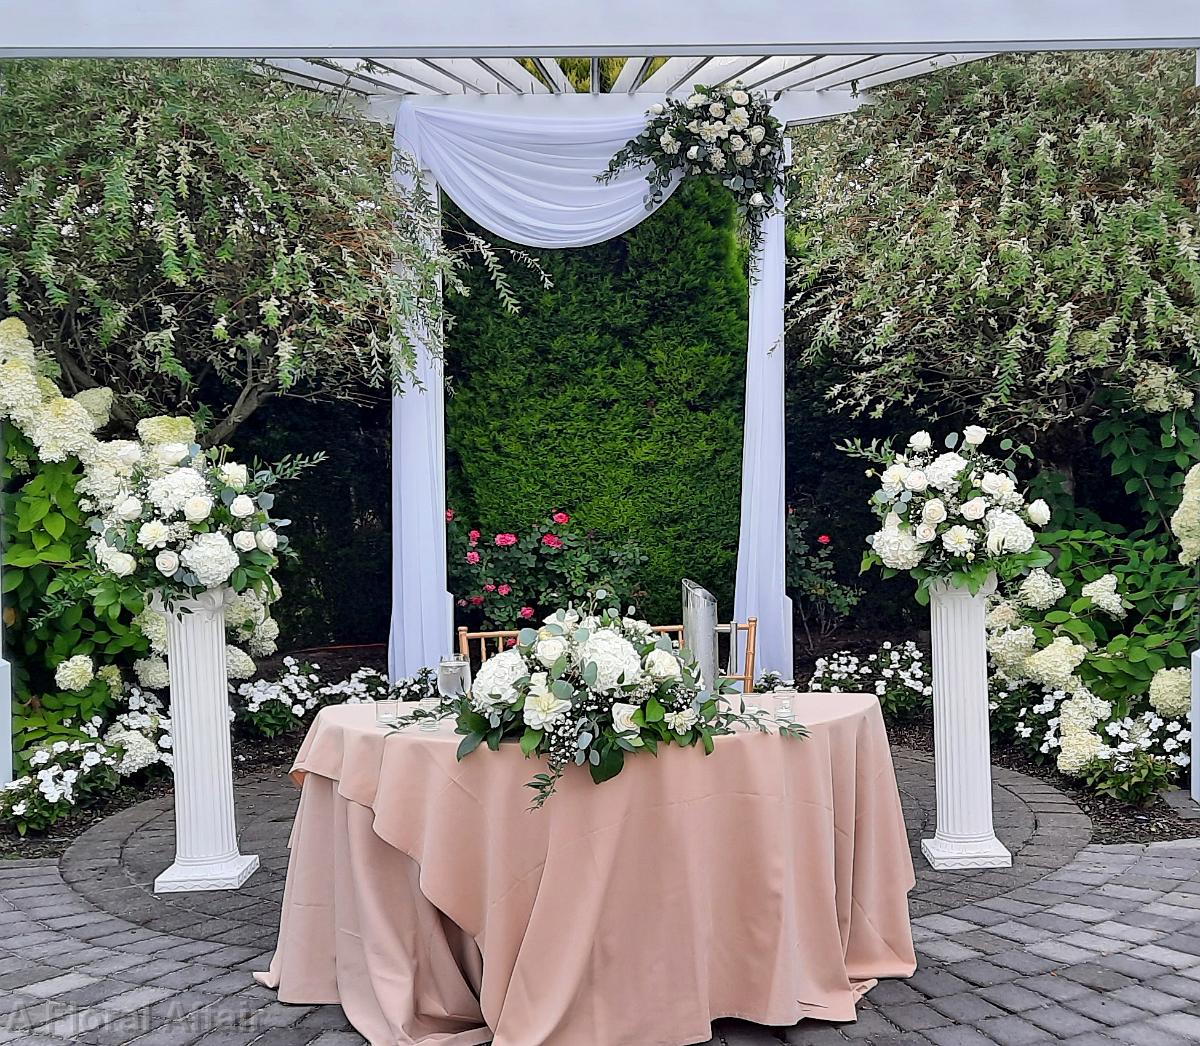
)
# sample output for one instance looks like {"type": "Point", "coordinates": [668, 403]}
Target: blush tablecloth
{"type": "Point", "coordinates": [767, 881]}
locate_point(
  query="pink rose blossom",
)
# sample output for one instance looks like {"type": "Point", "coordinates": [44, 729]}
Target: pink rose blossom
{"type": "Point", "coordinates": [449, 515]}
{"type": "Point", "coordinates": [472, 557]}
{"type": "Point", "coordinates": [489, 588]}
{"type": "Point", "coordinates": [512, 641]}
{"type": "Point", "coordinates": [462, 602]}
{"type": "Point", "coordinates": [552, 541]}
{"type": "Point", "coordinates": [474, 536]}
{"type": "Point", "coordinates": [526, 612]}
{"type": "Point", "coordinates": [561, 518]}
{"type": "Point", "coordinates": [505, 540]}
{"type": "Point", "coordinates": [476, 601]}
{"type": "Point", "coordinates": [504, 590]}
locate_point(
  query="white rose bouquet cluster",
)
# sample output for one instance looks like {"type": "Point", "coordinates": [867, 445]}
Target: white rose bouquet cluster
{"type": "Point", "coordinates": [956, 514]}
{"type": "Point", "coordinates": [726, 133]}
{"type": "Point", "coordinates": [186, 519]}
{"type": "Point", "coordinates": [586, 689]}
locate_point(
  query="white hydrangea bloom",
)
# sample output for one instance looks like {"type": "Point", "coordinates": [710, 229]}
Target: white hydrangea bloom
{"type": "Point", "coordinates": [616, 660]}
{"type": "Point", "coordinates": [1185, 523]}
{"type": "Point", "coordinates": [262, 642]}
{"type": "Point", "coordinates": [898, 549]}
{"type": "Point", "coordinates": [153, 626]}
{"type": "Point", "coordinates": [1040, 591]}
{"type": "Point", "coordinates": [211, 558]}
{"type": "Point", "coordinates": [1103, 594]}
{"type": "Point", "coordinates": [495, 682]}
{"type": "Point", "coordinates": [1007, 532]}
{"type": "Point", "coordinates": [164, 429]}
{"type": "Point", "coordinates": [944, 472]}
{"type": "Point", "coordinates": [1002, 615]}
{"type": "Point", "coordinates": [1078, 749]}
{"type": "Point", "coordinates": [75, 673]}
{"type": "Point", "coordinates": [1055, 665]}
{"type": "Point", "coordinates": [60, 428]}
{"type": "Point", "coordinates": [170, 492]}
{"type": "Point", "coordinates": [152, 673]}
{"type": "Point", "coordinates": [239, 664]}
{"type": "Point", "coordinates": [20, 396]}
{"type": "Point", "coordinates": [97, 402]}
{"type": "Point", "coordinates": [1010, 648]}
{"type": "Point", "coordinates": [1171, 691]}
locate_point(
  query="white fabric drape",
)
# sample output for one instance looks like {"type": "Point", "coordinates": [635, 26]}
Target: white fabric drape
{"type": "Point", "coordinates": [760, 590]}
{"type": "Point", "coordinates": [525, 168]}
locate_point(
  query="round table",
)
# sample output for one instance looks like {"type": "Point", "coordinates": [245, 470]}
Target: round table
{"type": "Point", "coordinates": [767, 881]}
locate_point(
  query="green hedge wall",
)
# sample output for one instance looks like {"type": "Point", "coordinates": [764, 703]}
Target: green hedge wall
{"type": "Point", "coordinates": [616, 396]}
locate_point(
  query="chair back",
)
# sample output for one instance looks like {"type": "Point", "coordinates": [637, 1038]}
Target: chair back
{"type": "Point", "coordinates": [474, 646]}
{"type": "Point", "coordinates": [504, 638]}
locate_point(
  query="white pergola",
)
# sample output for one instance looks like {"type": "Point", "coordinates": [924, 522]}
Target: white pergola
{"type": "Point", "coordinates": [813, 59]}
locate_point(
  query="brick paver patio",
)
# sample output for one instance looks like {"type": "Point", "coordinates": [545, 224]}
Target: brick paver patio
{"type": "Point", "coordinates": [1082, 944]}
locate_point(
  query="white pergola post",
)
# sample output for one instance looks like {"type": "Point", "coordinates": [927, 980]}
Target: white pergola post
{"type": "Point", "coordinates": [206, 847]}
{"type": "Point", "coordinates": [964, 837]}
{"type": "Point", "coordinates": [422, 626]}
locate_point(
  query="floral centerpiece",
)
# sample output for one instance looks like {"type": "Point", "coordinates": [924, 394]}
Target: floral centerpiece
{"type": "Point", "coordinates": [726, 133]}
{"type": "Point", "coordinates": [956, 514]}
{"type": "Point", "coordinates": [589, 687]}
{"type": "Point", "coordinates": [187, 520]}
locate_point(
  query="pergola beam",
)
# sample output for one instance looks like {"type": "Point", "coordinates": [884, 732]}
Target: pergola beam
{"type": "Point", "coordinates": [484, 28]}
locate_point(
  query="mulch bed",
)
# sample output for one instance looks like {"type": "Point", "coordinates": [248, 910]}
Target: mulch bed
{"type": "Point", "coordinates": [1112, 821]}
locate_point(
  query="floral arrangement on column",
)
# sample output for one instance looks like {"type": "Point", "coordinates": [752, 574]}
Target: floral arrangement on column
{"type": "Point", "coordinates": [588, 687]}
{"type": "Point", "coordinates": [955, 515]}
{"type": "Point", "coordinates": [724, 133]}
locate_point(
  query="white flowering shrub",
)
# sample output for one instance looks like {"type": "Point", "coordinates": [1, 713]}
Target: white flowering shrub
{"type": "Point", "coordinates": [1108, 709]}
{"type": "Point", "coordinates": [955, 515]}
{"type": "Point", "coordinates": [897, 674]}
{"type": "Point", "coordinates": [1185, 523]}
{"type": "Point", "coordinates": [725, 133]}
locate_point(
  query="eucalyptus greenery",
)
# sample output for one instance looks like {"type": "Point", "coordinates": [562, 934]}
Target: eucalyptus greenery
{"type": "Point", "coordinates": [1007, 239]}
{"type": "Point", "coordinates": [202, 238]}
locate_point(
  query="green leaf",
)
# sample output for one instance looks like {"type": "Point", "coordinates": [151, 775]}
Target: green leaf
{"type": "Point", "coordinates": [469, 743]}
{"type": "Point", "coordinates": [654, 711]}
{"type": "Point", "coordinates": [530, 740]}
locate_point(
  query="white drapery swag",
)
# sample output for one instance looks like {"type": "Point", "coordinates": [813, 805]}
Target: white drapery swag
{"type": "Point", "coordinates": [525, 169]}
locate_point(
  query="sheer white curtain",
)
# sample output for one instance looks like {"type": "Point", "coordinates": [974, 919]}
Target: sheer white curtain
{"type": "Point", "coordinates": [525, 168]}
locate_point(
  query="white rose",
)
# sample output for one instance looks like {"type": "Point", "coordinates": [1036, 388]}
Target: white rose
{"type": "Point", "coordinates": [154, 533]}
{"type": "Point", "coordinates": [167, 563]}
{"type": "Point", "coordinates": [121, 563]}
{"type": "Point", "coordinates": [168, 454]}
{"type": "Point", "coordinates": [934, 511]}
{"type": "Point", "coordinates": [974, 509]}
{"type": "Point", "coordinates": [1039, 512]}
{"type": "Point", "coordinates": [696, 100]}
{"type": "Point", "coordinates": [656, 109]}
{"type": "Point", "coordinates": [920, 440]}
{"type": "Point", "coordinates": [757, 133]}
{"type": "Point", "coordinates": [997, 485]}
{"type": "Point", "coordinates": [542, 708]}
{"type": "Point", "coordinates": [693, 152]}
{"type": "Point", "coordinates": [916, 481]}
{"type": "Point", "coordinates": [267, 540]}
{"type": "Point", "coordinates": [129, 509]}
{"type": "Point", "coordinates": [662, 665]}
{"type": "Point", "coordinates": [197, 508]}
{"type": "Point", "coordinates": [925, 532]}
{"type": "Point", "coordinates": [974, 434]}
{"type": "Point", "coordinates": [241, 507]}
{"type": "Point", "coordinates": [623, 717]}
{"type": "Point", "coordinates": [716, 109]}
{"type": "Point", "coordinates": [893, 477]}
{"type": "Point", "coordinates": [740, 98]}
{"type": "Point", "coordinates": [235, 475]}
{"type": "Point", "coordinates": [244, 541]}
{"type": "Point", "coordinates": [758, 200]}
{"type": "Point", "coordinates": [550, 649]}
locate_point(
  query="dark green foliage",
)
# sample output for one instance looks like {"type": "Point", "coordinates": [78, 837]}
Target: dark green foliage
{"type": "Point", "coordinates": [616, 396]}
{"type": "Point", "coordinates": [338, 588]}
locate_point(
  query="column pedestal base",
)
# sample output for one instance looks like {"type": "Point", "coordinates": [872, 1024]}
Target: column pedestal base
{"type": "Point", "coordinates": [228, 874]}
{"type": "Point", "coordinates": [944, 854]}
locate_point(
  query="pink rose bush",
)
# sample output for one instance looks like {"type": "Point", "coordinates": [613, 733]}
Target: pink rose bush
{"type": "Point", "coordinates": [505, 578]}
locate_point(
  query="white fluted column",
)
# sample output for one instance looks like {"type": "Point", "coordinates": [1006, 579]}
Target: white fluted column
{"type": "Point", "coordinates": [206, 850]}
{"type": "Point", "coordinates": [965, 837]}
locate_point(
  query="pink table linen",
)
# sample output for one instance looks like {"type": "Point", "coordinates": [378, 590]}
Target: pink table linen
{"type": "Point", "coordinates": [767, 881]}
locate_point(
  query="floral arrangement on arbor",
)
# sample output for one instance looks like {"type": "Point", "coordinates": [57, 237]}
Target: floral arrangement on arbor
{"type": "Point", "coordinates": [589, 687]}
{"type": "Point", "coordinates": [956, 515]}
{"type": "Point", "coordinates": [725, 133]}
{"type": "Point", "coordinates": [509, 578]}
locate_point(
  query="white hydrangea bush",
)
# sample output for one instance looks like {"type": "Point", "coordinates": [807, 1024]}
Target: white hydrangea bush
{"type": "Point", "coordinates": [1055, 693]}
{"type": "Point", "coordinates": [898, 674]}
{"type": "Point", "coordinates": [954, 514]}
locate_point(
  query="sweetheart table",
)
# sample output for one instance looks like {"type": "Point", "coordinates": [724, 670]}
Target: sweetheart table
{"type": "Point", "coordinates": [768, 881]}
